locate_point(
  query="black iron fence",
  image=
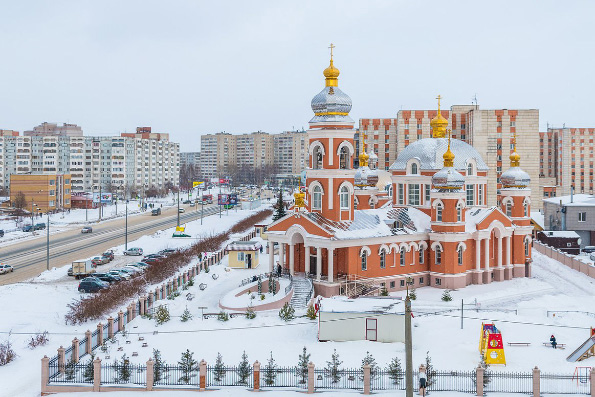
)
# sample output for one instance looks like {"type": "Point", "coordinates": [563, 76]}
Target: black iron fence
{"type": "Point", "coordinates": [345, 378]}
{"type": "Point", "coordinates": [230, 376]}
{"type": "Point", "coordinates": [508, 382]}
{"type": "Point", "coordinates": [173, 375]}
{"type": "Point", "coordinates": [282, 377]}
{"type": "Point", "coordinates": [124, 373]}
{"type": "Point", "coordinates": [565, 384]}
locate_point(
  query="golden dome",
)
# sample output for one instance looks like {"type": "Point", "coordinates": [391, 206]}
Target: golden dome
{"type": "Point", "coordinates": [448, 156]}
{"type": "Point", "coordinates": [331, 74]}
{"type": "Point", "coordinates": [363, 159]}
{"type": "Point", "coordinates": [515, 159]}
{"type": "Point", "coordinates": [439, 123]}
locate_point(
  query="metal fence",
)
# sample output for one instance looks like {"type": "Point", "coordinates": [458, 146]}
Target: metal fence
{"type": "Point", "coordinates": [72, 373]}
{"type": "Point", "coordinates": [68, 354]}
{"type": "Point", "coordinates": [173, 375]}
{"type": "Point", "coordinates": [461, 381]}
{"type": "Point", "coordinates": [82, 347]}
{"type": "Point", "coordinates": [384, 379]}
{"type": "Point", "coordinates": [343, 379]}
{"type": "Point", "coordinates": [124, 373]}
{"type": "Point", "coordinates": [508, 382]}
{"type": "Point", "coordinates": [117, 324]}
{"type": "Point", "coordinates": [105, 332]}
{"type": "Point", "coordinates": [95, 342]}
{"type": "Point", "coordinates": [230, 376]}
{"type": "Point", "coordinates": [282, 377]}
{"type": "Point", "coordinates": [565, 384]}
{"type": "Point", "coordinates": [54, 369]}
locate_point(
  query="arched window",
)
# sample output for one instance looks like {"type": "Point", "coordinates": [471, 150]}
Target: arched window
{"type": "Point", "coordinates": [527, 246]}
{"type": "Point", "coordinates": [414, 169]}
{"type": "Point", "coordinates": [439, 212]}
{"type": "Point", "coordinates": [402, 257]}
{"type": "Point", "coordinates": [364, 261]}
{"type": "Point", "coordinates": [344, 198]}
{"type": "Point", "coordinates": [469, 169]}
{"type": "Point", "coordinates": [317, 198]}
{"type": "Point", "coordinates": [459, 213]}
{"type": "Point", "coordinates": [438, 255]}
{"type": "Point", "coordinates": [508, 209]}
{"type": "Point", "coordinates": [317, 158]}
{"type": "Point", "coordinates": [460, 255]}
{"type": "Point", "coordinates": [421, 256]}
{"type": "Point", "coordinates": [344, 158]}
{"type": "Point", "coordinates": [383, 259]}
{"type": "Point", "coordinates": [525, 209]}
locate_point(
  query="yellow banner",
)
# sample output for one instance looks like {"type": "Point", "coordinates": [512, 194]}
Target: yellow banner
{"type": "Point", "coordinates": [195, 184]}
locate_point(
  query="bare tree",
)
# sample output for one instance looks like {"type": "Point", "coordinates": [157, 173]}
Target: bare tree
{"type": "Point", "coordinates": [20, 201]}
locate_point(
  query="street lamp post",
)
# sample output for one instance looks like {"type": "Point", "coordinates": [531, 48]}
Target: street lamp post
{"type": "Point", "coordinates": [178, 206]}
{"type": "Point", "coordinates": [202, 207]}
{"type": "Point", "coordinates": [126, 232]}
{"type": "Point", "coordinates": [47, 249]}
{"type": "Point", "coordinates": [408, 344]}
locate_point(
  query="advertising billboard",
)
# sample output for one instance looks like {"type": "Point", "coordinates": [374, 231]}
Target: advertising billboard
{"type": "Point", "coordinates": [106, 198]}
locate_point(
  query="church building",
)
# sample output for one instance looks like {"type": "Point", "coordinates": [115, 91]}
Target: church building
{"type": "Point", "coordinates": [429, 226]}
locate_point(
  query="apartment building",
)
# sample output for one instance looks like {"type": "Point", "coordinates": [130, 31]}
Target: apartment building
{"type": "Point", "coordinates": [290, 148]}
{"type": "Point", "coordinates": [381, 136]}
{"type": "Point", "coordinates": [217, 153]}
{"type": "Point", "coordinates": [45, 129]}
{"type": "Point", "coordinates": [42, 193]}
{"type": "Point", "coordinates": [490, 131]}
{"type": "Point", "coordinates": [190, 159]}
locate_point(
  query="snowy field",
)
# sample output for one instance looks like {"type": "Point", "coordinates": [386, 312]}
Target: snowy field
{"type": "Point", "coordinates": [40, 304]}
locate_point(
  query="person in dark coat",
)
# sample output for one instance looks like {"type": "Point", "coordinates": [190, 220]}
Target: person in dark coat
{"type": "Point", "coordinates": [553, 341]}
{"type": "Point", "coordinates": [278, 270]}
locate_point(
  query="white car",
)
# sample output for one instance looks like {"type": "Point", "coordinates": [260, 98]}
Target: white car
{"type": "Point", "coordinates": [6, 268]}
{"type": "Point", "coordinates": [134, 251]}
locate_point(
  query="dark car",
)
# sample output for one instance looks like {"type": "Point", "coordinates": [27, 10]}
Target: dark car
{"type": "Point", "coordinates": [156, 211]}
{"type": "Point", "coordinates": [110, 278]}
{"type": "Point", "coordinates": [1, 233]}
{"type": "Point", "coordinates": [151, 260]}
{"type": "Point", "coordinates": [39, 226]}
{"type": "Point", "coordinates": [28, 228]}
{"type": "Point", "coordinates": [109, 255]}
{"type": "Point", "coordinates": [186, 202]}
{"type": "Point", "coordinates": [92, 284]}
{"type": "Point", "coordinates": [589, 249]}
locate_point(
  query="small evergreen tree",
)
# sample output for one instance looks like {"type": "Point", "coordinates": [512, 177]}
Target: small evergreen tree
{"type": "Point", "coordinates": [395, 372]}
{"type": "Point", "coordinates": [219, 368]}
{"type": "Point", "coordinates": [271, 281]}
{"type": "Point", "coordinates": [446, 297]}
{"type": "Point", "coordinates": [371, 361]}
{"type": "Point", "coordinates": [311, 312]}
{"type": "Point", "coordinates": [333, 370]}
{"type": "Point", "coordinates": [89, 372]}
{"type": "Point", "coordinates": [279, 207]}
{"type": "Point", "coordinates": [190, 282]}
{"type": "Point", "coordinates": [123, 369]}
{"type": "Point", "coordinates": [188, 365]}
{"type": "Point", "coordinates": [186, 315]}
{"type": "Point", "coordinates": [69, 369]}
{"type": "Point", "coordinates": [383, 292]}
{"type": "Point", "coordinates": [302, 366]}
{"type": "Point", "coordinates": [270, 371]}
{"type": "Point", "coordinates": [274, 287]}
{"type": "Point", "coordinates": [161, 315]}
{"type": "Point", "coordinates": [430, 371]}
{"type": "Point", "coordinates": [250, 313]}
{"type": "Point", "coordinates": [223, 316]}
{"type": "Point", "coordinates": [259, 286]}
{"type": "Point", "coordinates": [244, 369]}
{"type": "Point", "coordinates": [158, 366]}
{"type": "Point", "coordinates": [413, 294]}
{"type": "Point", "coordinates": [287, 312]}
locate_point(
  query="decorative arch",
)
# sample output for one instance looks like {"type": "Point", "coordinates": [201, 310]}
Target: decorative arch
{"type": "Point", "coordinates": [528, 238]}
{"type": "Point", "coordinates": [436, 202]}
{"type": "Point", "coordinates": [384, 248]}
{"type": "Point", "coordinates": [393, 247]}
{"type": "Point", "coordinates": [349, 186]}
{"type": "Point", "coordinates": [405, 246]}
{"type": "Point", "coordinates": [470, 165]}
{"type": "Point", "coordinates": [436, 244]}
{"type": "Point", "coordinates": [507, 200]}
{"type": "Point", "coordinates": [461, 204]}
{"type": "Point", "coordinates": [462, 245]}
{"type": "Point", "coordinates": [349, 147]}
{"type": "Point", "coordinates": [313, 145]}
{"type": "Point", "coordinates": [313, 184]}
{"type": "Point", "coordinates": [423, 245]}
{"type": "Point", "coordinates": [413, 245]}
{"type": "Point", "coordinates": [373, 200]}
{"type": "Point", "coordinates": [498, 226]}
{"type": "Point", "coordinates": [365, 249]}
{"type": "Point", "coordinates": [527, 201]}
{"type": "Point", "coordinates": [296, 230]}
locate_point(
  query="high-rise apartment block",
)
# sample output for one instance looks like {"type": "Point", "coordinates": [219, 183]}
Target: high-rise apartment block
{"type": "Point", "coordinates": [290, 152]}
{"type": "Point", "coordinates": [381, 134]}
{"type": "Point", "coordinates": [190, 159]}
{"type": "Point", "coordinates": [130, 162]}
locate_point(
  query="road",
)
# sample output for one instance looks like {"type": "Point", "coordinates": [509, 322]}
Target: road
{"type": "Point", "coordinates": [29, 257]}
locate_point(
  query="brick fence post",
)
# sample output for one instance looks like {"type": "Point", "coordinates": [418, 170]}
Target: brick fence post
{"type": "Point", "coordinates": [479, 380]}
{"type": "Point", "coordinates": [61, 359]}
{"type": "Point", "coordinates": [367, 379]}
{"type": "Point", "coordinates": [96, 374]}
{"type": "Point", "coordinates": [157, 292]}
{"type": "Point", "coordinates": [45, 374]}
{"type": "Point", "coordinates": [150, 375]}
{"type": "Point", "coordinates": [75, 350]}
{"type": "Point", "coordinates": [129, 319]}
{"type": "Point", "coordinates": [100, 334]}
{"type": "Point", "coordinates": [175, 284]}
{"type": "Point", "coordinates": [142, 305]}
{"type": "Point", "coordinates": [88, 345]}
{"type": "Point", "coordinates": [120, 320]}
{"type": "Point", "coordinates": [256, 376]}
{"type": "Point", "coordinates": [310, 377]}
{"type": "Point", "coordinates": [536, 382]}
{"type": "Point", "coordinates": [202, 368]}
{"type": "Point", "coordinates": [592, 381]}
{"type": "Point", "coordinates": [110, 327]}
{"type": "Point", "coordinates": [163, 291]}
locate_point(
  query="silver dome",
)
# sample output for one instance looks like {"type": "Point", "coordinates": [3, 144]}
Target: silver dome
{"type": "Point", "coordinates": [515, 177]}
{"type": "Point", "coordinates": [331, 100]}
{"type": "Point", "coordinates": [364, 176]}
{"type": "Point", "coordinates": [429, 152]}
{"type": "Point", "coordinates": [448, 179]}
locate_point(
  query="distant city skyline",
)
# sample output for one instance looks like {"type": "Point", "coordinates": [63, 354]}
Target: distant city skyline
{"type": "Point", "coordinates": [191, 68]}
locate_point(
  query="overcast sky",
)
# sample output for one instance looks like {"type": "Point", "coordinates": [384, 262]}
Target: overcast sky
{"type": "Point", "coordinates": [196, 67]}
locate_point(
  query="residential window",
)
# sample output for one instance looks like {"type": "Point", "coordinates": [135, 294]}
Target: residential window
{"type": "Point", "coordinates": [439, 212]}
{"type": "Point", "coordinates": [459, 213]}
{"type": "Point", "coordinates": [469, 169]}
{"type": "Point", "coordinates": [317, 198]}
{"type": "Point", "coordinates": [479, 194]}
{"type": "Point", "coordinates": [421, 256]}
{"type": "Point", "coordinates": [438, 281]}
{"type": "Point", "coordinates": [344, 198]}
{"type": "Point", "coordinates": [419, 126]}
{"type": "Point", "coordinates": [525, 209]}
{"type": "Point", "coordinates": [582, 216]}
{"type": "Point", "coordinates": [401, 194]}
{"type": "Point", "coordinates": [508, 209]}
{"type": "Point", "coordinates": [52, 182]}
{"type": "Point", "coordinates": [52, 192]}
{"type": "Point", "coordinates": [413, 194]}
{"type": "Point", "coordinates": [241, 256]}
{"type": "Point", "coordinates": [402, 283]}
{"type": "Point", "coordinates": [460, 255]}
{"type": "Point", "coordinates": [470, 193]}
{"type": "Point", "coordinates": [392, 284]}
{"type": "Point", "coordinates": [421, 280]}
{"type": "Point", "coordinates": [364, 261]}
{"type": "Point", "coordinates": [402, 257]}
{"type": "Point", "coordinates": [438, 255]}
{"type": "Point", "coordinates": [383, 259]}
{"type": "Point", "coordinates": [427, 194]}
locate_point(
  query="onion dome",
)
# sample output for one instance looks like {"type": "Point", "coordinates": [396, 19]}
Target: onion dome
{"type": "Point", "coordinates": [373, 160]}
{"type": "Point", "coordinates": [299, 199]}
{"type": "Point", "coordinates": [331, 104]}
{"type": "Point", "coordinates": [365, 177]}
{"type": "Point", "coordinates": [448, 178]}
{"type": "Point", "coordinates": [439, 123]}
{"type": "Point", "coordinates": [363, 159]}
{"type": "Point", "coordinates": [515, 177]}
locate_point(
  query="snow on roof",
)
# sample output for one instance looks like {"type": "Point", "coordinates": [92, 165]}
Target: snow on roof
{"type": "Point", "coordinates": [538, 218]}
{"type": "Point", "coordinates": [561, 233]}
{"type": "Point", "coordinates": [244, 246]}
{"type": "Point", "coordinates": [342, 304]}
{"type": "Point", "coordinates": [577, 199]}
{"type": "Point", "coordinates": [474, 216]}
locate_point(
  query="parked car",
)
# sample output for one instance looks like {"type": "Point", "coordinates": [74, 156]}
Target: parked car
{"type": "Point", "coordinates": [107, 277]}
{"type": "Point", "coordinates": [134, 251]}
{"type": "Point", "coordinates": [1, 233]}
{"type": "Point", "coordinates": [186, 202]}
{"type": "Point", "coordinates": [109, 255]}
{"type": "Point", "coordinates": [181, 210]}
{"type": "Point", "coordinates": [129, 271]}
{"type": "Point", "coordinates": [87, 229]}
{"type": "Point", "coordinates": [70, 272]}
{"type": "Point", "coordinates": [39, 226]}
{"type": "Point", "coordinates": [156, 211]}
{"type": "Point", "coordinates": [151, 260]}
{"type": "Point", "coordinates": [156, 256]}
{"type": "Point", "coordinates": [166, 252]}
{"type": "Point", "coordinates": [141, 265]}
{"type": "Point", "coordinates": [28, 228]}
{"type": "Point", "coordinates": [589, 249]}
{"type": "Point", "coordinates": [92, 284]}
{"type": "Point", "coordinates": [4, 268]}
{"type": "Point", "coordinates": [124, 275]}
{"type": "Point", "coordinates": [192, 204]}
{"type": "Point", "coordinates": [99, 260]}
{"type": "Point", "coordinates": [133, 269]}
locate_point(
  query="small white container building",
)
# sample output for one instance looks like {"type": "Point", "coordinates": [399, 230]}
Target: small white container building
{"type": "Point", "coordinates": [374, 319]}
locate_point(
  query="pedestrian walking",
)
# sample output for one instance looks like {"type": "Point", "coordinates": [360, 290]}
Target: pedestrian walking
{"type": "Point", "coordinates": [553, 341]}
{"type": "Point", "coordinates": [422, 380]}
{"type": "Point", "coordinates": [278, 270]}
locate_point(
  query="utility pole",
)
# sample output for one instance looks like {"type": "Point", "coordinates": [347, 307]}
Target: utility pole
{"type": "Point", "coordinates": [408, 344]}
{"type": "Point", "coordinates": [100, 200]}
{"type": "Point", "coordinates": [47, 251]}
{"type": "Point", "coordinates": [126, 232]}
{"type": "Point", "coordinates": [202, 207]}
{"type": "Point", "coordinates": [461, 314]}
{"type": "Point", "coordinates": [178, 206]}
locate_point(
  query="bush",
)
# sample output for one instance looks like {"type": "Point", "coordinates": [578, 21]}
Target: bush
{"type": "Point", "coordinates": [7, 353]}
{"type": "Point", "coordinates": [38, 340]}
{"type": "Point", "coordinates": [413, 294]}
{"type": "Point", "coordinates": [173, 295]}
{"type": "Point", "coordinates": [311, 312]}
{"type": "Point", "coordinates": [287, 312]}
{"type": "Point", "coordinates": [162, 315]}
{"type": "Point", "coordinates": [124, 369]}
{"type": "Point", "coordinates": [188, 365]}
{"type": "Point", "coordinates": [250, 313]}
{"type": "Point", "coordinates": [70, 369]}
{"type": "Point", "coordinates": [383, 292]}
{"type": "Point", "coordinates": [244, 369]}
{"type": "Point", "coordinates": [89, 372]}
{"type": "Point", "coordinates": [262, 297]}
{"type": "Point", "coordinates": [223, 316]}
{"type": "Point", "coordinates": [446, 297]}
{"type": "Point", "coordinates": [186, 316]}
{"type": "Point", "coordinates": [270, 371]}
{"type": "Point", "coordinates": [190, 282]}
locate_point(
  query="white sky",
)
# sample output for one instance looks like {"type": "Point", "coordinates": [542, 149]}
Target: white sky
{"type": "Point", "coordinates": [195, 67]}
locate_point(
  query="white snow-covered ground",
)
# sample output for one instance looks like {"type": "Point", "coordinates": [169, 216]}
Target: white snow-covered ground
{"type": "Point", "coordinates": [554, 288]}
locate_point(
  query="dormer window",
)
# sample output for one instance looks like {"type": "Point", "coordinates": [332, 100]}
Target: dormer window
{"type": "Point", "coordinates": [469, 169]}
{"type": "Point", "coordinates": [414, 169]}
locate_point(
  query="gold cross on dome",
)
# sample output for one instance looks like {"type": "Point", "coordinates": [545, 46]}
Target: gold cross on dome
{"type": "Point", "coordinates": [331, 47]}
{"type": "Point", "coordinates": [439, 98]}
